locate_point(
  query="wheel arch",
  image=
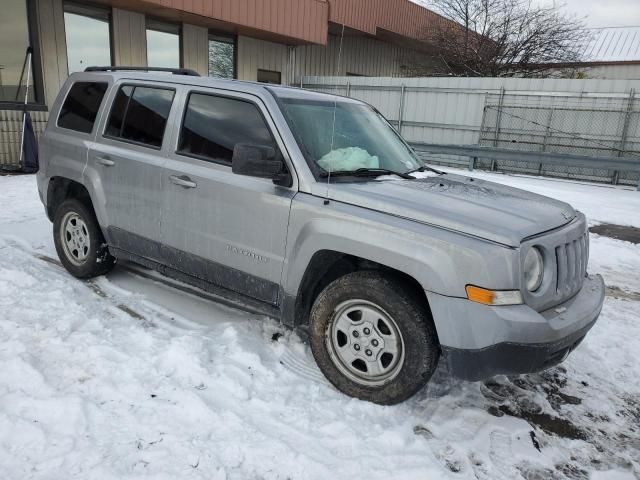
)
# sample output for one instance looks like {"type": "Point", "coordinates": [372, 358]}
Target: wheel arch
{"type": "Point", "coordinates": [61, 189]}
{"type": "Point", "coordinates": [327, 265]}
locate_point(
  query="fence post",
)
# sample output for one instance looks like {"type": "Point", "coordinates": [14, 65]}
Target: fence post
{"type": "Point", "coordinates": [348, 89]}
{"type": "Point", "coordinates": [546, 137]}
{"type": "Point", "coordinates": [498, 120]}
{"type": "Point", "coordinates": [625, 131]}
{"type": "Point", "coordinates": [496, 137]}
{"type": "Point", "coordinates": [401, 109]}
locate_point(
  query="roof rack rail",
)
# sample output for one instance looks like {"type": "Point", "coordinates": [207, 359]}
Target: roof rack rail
{"type": "Point", "coordinates": [175, 71]}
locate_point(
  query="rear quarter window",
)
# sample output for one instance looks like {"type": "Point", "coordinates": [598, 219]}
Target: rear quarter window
{"type": "Point", "coordinates": [80, 108]}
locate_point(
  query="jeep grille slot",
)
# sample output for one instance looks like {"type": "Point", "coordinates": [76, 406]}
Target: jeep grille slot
{"type": "Point", "coordinates": [571, 264]}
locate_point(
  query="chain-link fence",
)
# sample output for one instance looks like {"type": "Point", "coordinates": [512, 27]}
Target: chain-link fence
{"type": "Point", "coordinates": [591, 125]}
{"type": "Point", "coordinates": [599, 119]}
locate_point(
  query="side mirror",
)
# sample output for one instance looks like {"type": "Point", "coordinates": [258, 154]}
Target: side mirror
{"type": "Point", "coordinates": [259, 161]}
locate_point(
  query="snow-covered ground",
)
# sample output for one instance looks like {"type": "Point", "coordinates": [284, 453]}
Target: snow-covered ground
{"type": "Point", "coordinates": [124, 377]}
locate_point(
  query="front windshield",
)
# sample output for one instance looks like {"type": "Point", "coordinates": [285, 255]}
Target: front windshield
{"type": "Point", "coordinates": [362, 138]}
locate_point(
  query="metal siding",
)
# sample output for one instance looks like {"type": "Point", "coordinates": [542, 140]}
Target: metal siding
{"type": "Point", "coordinates": [298, 20]}
{"type": "Point", "coordinates": [129, 38]}
{"type": "Point", "coordinates": [195, 48]}
{"type": "Point", "coordinates": [453, 108]}
{"type": "Point", "coordinates": [254, 54]}
{"type": "Point", "coordinates": [360, 55]}
{"type": "Point", "coordinates": [615, 72]}
{"type": "Point", "coordinates": [587, 117]}
{"type": "Point", "coordinates": [613, 44]}
{"type": "Point", "coordinates": [399, 16]}
{"type": "Point", "coordinates": [53, 46]}
{"type": "Point", "coordinates": [10, 133]}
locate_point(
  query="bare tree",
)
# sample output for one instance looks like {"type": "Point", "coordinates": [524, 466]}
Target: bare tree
{"type": "Point", "coordinates": [221, 59]}
{"type": "Point", "coordinates": [504, 38]}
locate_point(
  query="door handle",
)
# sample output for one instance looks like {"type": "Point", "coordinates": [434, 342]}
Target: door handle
{"type": "Point", "coordinates": [106, 161]}
{"type": "Point", "coordinates": [183, 181]}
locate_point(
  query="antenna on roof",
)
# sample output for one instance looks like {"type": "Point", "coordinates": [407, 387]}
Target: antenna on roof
{"type": "Point", "coordinates": [335, 106]}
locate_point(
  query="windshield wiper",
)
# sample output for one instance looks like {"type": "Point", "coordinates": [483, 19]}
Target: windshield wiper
{"type": "Point", "coordinates": [366, 172]}
{"type": "Point", "coordinates": [424, 168]}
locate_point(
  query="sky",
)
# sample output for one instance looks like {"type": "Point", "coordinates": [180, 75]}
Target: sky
{"type": "Point", "coordinates": [596, 13]}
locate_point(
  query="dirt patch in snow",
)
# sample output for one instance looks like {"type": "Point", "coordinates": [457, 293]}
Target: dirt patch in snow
{"type": "Point", "coordinates": [619, 293]}
{"type": "Point", "coordinates": [618, 232]}
{"type": "Point", "coordinates": [548, 401]}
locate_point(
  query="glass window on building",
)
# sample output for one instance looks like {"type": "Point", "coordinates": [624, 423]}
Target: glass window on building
{"type": "Point", "coordinates": [222, 56]}
{"type": "Point", "coordinates": [14, 40]}
{"type": "Point", "coordinates": [269, 76]}
{"type": "Point", "coordinates": [163, 44]}
{"type": "Point", "coordinates": [88, 36]}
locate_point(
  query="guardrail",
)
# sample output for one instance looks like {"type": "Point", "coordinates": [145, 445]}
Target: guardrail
{"type": "Point", "coordinates": [475, 152]}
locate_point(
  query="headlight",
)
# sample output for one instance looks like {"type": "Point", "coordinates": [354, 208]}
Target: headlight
{"type": "Point", "coordinates": [533, 269]}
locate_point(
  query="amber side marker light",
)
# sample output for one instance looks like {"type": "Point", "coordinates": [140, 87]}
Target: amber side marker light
{"type": "Point", "coordinates": [493, 297]}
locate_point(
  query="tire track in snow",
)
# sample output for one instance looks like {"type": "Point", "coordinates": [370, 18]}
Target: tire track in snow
{"type": "Point", "coordinates": [143, 313]}
{"type": "Point", "coordinates": [299, 365]}
{"type": "Point", "coordinates": [302, 367]}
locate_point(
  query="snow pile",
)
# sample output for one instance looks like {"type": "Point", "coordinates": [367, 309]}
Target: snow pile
{"type": "Point", "coordinates": [89, 389]}
{"type": "Point", "coordinates": [124, 377]}
{"type": "Point", "coordinates": [417, 175]}
{"type": "Point", "coordinates": [425, 174]}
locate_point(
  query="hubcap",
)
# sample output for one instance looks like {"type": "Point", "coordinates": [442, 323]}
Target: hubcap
{"type": "Point", "coordinates": [74, 236]}
{"type": "Point", "coordinates": [365, 343]}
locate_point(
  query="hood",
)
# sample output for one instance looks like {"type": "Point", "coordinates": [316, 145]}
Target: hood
{"type": "Point", "coordinates": [483, 209]}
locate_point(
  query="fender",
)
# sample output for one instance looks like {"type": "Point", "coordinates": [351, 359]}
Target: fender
{"type": "Point", "coordinates": [440, 261]}
{"type": "Point", "coordinates": [93, 182]}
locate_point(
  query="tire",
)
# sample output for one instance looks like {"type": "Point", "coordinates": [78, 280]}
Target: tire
{"type": "Point", "coordinates": [384, 314]}
{"type": "Point", "coordinates": [82, 249]}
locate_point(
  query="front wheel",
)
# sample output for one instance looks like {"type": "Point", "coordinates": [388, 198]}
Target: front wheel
{"type": "Point", "coordinates": [372, 339]}
{"type": "Point", "coordinates": [79, 241]}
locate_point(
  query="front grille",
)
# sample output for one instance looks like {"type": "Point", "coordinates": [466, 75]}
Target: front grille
{"type": "Point", "coordinates": [571, 262]}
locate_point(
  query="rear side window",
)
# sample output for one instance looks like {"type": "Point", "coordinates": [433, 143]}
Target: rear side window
{"type": "Point", "coordinates": [213, 125]}
{"type": "Point", "coordinates": [80, 108]}
{"type": "Point", "coordinates": [139, 114]}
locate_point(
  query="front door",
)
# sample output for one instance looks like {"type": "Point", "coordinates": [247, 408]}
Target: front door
{"type": "Point", "coordinates": [218, 226]}
{"type": "Point", "coordinates": [128, 160]}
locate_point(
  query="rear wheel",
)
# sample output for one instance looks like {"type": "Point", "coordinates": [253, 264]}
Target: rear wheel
{"type": "Point", "coordinates": [372, 339]}
{"type": "Point", "coordinates": [79, 241]}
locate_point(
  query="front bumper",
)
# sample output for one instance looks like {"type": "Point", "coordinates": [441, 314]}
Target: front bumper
{"type": "Point", "coordinates": [480, 341]}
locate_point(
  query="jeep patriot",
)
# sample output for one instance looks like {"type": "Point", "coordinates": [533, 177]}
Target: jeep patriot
{"type": "Point", "coordinates": [311, 209]}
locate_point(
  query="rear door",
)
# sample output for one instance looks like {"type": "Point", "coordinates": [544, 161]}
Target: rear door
{"type": "Point", "coordinates": [64, 146]}
{"type": "Point", "coordinates": [127, 159]}
{"type": "Point", "coordinates": [218, 226]}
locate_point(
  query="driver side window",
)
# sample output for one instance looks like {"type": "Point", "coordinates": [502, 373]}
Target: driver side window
{"type": "Point", "coordinates": [213, 125]}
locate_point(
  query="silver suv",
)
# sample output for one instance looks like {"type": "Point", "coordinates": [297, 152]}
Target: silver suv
{"type": "Point", "coordinates": [312, 210]}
